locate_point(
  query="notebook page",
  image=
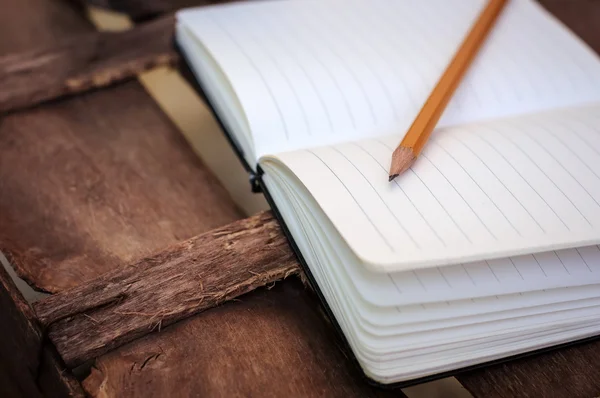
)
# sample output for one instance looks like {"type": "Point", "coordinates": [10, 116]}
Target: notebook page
{"type": "Point", "coordinates": [478, 191]}
{"type": "Point", "coordinates": [311, 73]}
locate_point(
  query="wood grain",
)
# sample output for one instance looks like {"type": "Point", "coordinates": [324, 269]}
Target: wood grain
{"type": "Point", "coordinates": [97, 181]}
{"type": "Point", "coordinates": [177, 282]}
{"type": "Point", "coordinates": [73, 206]}
{"type": "Point", "coordinates": [28, 24]}
{"type": "Point", "coordinates": [28, 367]}
{"type": "Point", "coordinates": [571, 372]}
{"type": "Point", "coordinates": [111, 181]}
{"type": "Point", "coordinates": [269, 343]}
{"type": "Point", "coordinates": [83, 62]}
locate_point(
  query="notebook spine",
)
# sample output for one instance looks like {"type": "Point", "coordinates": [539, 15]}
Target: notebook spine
{"type": "Point", "coordinates": [191, 78]}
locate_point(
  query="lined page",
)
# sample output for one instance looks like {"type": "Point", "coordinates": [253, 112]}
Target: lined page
{"type": "Point", "coordinates": [311, 73]}
{"type": "Point", "coordinates": [484, 190]}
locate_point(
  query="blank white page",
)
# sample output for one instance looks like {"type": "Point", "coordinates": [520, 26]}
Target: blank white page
{"type": "Point", "coordinates": [319, 72]}
{"type": "Point", "coordinates": [479, 191]}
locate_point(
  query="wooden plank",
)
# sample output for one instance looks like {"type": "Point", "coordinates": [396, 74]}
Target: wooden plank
{"type": "Point", "coordinates": [570, 372]}
{"type": "Point", "coordinates": [83, 62]}
{"type": "Point", "coordinates": [27, 24]}
{"type": "Point", "coordinates": [177, 282]}
{"type": "Point", "coordinates": [96, 181]}
{"type": "Point", "coordinates": [269, 343]}
{"type": "Point", "coordinates": [28, 368]}
{"type": "Point", "coordinates": [111, 181]}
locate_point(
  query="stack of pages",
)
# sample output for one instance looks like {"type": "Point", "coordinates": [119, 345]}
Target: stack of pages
{"type": "Point", "coordinates": [485, 248]}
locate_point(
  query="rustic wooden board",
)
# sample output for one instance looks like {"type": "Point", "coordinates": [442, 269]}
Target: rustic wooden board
{"type": "Point", "coordinates": [181, 280]}
{"type": "Point", "coordinates": [73, 206]}
{"type": "Point", "coordinates": [97, 181]}
{"type": "Point", "coordinates": [28, 368]}
{"type": "Point", "coordinates": [26, 24]}
{"type": "Point", "coordinates": [83, 62]}
{"type": "Point", "coordinates": [110, 182]}
{"type": "Point", "coordinates": [94, 182]}
{"type": "Point", "coordinates": [572, 372]}
{"type": "Point", "coordinates": [269, 343]}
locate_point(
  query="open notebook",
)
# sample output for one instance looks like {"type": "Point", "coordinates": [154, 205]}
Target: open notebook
{"type": "Point", "coordinates": [484, 249]}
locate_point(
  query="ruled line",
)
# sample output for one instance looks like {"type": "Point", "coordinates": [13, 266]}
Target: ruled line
{"type": "Point", "coordinates": [436, 199]}
{"type": "Point", "coordinates": [260, 75]}
{"type": "Point", "coordinates": [461, 196]}
{"type": "Point", "coordinates": [385, 173]}
{"type": "Point", "coordinates": [500, 181]}
{"type": "Point", "coordinates": [524, 180]}
{"type": "Point", "coordinates": [436, 143]}
{"type": "Point", "coordinates": [391, 247]}
{"type": "Point", "coordinates": [379, 196]}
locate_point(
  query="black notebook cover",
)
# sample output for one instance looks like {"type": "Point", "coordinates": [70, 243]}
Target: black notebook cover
{"type": "Point", "coordinates": [257, 186]}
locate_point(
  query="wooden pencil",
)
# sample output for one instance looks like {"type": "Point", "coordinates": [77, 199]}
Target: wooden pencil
{"type": "Point", "coordinates": [418, 134]}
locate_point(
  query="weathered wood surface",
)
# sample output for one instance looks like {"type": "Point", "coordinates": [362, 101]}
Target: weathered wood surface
{"type": "Point", "coordinates": [177, 282]}
{"type": "Point", "coordinates": [571, 372]}
{"type": "Point", "coordinates": [269, 343]}
{"type": "Point", "coordinates": [83, 62]}
{"type": "Point", "coordinates": [27, 24]}
{"type": "Point", "coordinates": [97, 181]}
{"type": "Point", "coordinates": [59, 242]}
{"type": "Point", "coordinates": [28, 368]}
{"type": "Point", "coordinates": [111, 181]}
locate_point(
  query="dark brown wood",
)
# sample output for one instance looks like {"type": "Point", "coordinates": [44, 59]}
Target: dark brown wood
{"type": "Point", "coordinates": [96, 181]}
{"type": "Point", "coordinates": [571, 372]}
{"type": "Point", "coordinates": [581, 16]}
{"type": "Point", "coordinates": [84, 62]}
{"type": "Point", "coordinates": [182, 280]}
{"type": "Point", "coordinates": [28, 368]}
{"type": "Point", "coordinates": [86, 187]}
{"type": "Point", "coordinates": [28, 24]}
{"type": "Point", "coordinates": [111, 181]}
{"type": "Point", "coordinates": [269, 343]}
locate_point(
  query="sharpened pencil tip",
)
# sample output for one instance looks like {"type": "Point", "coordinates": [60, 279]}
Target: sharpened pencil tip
{"type": "Point", "coordinates": [402, 159]}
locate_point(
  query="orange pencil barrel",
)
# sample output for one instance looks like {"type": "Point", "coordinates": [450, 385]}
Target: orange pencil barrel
{"type": "Point", "coordinates": [419, 132]}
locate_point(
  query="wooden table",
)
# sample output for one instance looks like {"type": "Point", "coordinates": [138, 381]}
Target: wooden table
{"type": "Point", "coordinates": [158, 285]}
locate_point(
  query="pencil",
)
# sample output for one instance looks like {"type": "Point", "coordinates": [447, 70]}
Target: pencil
{"type": "Point", "coordinates": [418, 133]}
